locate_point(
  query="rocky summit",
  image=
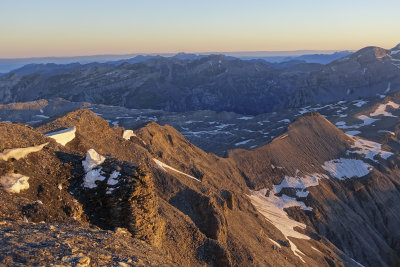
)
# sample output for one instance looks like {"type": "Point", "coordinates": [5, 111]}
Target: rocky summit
{"type": "Point", "coordinates": [75, 191]}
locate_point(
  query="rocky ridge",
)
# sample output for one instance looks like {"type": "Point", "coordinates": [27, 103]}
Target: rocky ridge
{"type": "Point", "coordinates": [189, 204]}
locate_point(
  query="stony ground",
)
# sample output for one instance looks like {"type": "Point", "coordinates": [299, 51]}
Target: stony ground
{"type": "Point", "coordinates": [43, 244]}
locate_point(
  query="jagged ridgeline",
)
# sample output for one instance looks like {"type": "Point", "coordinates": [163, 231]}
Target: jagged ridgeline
{"type": "Point", "coordinates": [214, 82]}
{"type": "Point", "coordinates": [90, 194]}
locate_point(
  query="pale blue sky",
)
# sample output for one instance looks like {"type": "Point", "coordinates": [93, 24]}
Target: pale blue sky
{"type": "Point", "coordinates": [87, 27]}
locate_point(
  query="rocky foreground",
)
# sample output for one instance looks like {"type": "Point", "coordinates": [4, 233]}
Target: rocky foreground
{"type": "Point", "coordinates": [75, 191]}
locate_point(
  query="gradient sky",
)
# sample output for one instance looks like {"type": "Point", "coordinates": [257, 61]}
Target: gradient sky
{"type": "Point", "coordinates": [33, 28]}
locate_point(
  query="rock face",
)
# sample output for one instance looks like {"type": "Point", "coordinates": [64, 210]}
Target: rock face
{"type": "Point", "coordinates": [213, 83]}
{"type": "Point", "coordinates": [197, 208]}
{"type": "Point", "coordinates": [355, 214]}
{"type": "Point", "coordinates": [125, 199]}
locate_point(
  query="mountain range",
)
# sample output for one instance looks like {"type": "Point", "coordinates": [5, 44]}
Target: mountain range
{"type": "Point", "coordinates": [209, 161]}
{"type": "Point", "coordinates": [214, 83]}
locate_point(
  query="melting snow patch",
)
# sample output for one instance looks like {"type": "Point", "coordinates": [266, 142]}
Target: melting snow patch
{"type": "Point", "coordinates": [19, 153]}
{"type": "Point", "coordinates": [347, 168]}
{"type": "Point", "coordinates": [243, 142]}
{"type": "Point", "coordinates": [275, 243]}
{"type": "Point", "coordinates": [388, 88]}
{"type": "Point", "coordinates": [381, 109]}
{"type": "Point", "coordinates": [93, 160]}
{"type": "Point", "coordinates": [368, 148]}
{"type": "Point", "coordinates": [64, 136]}
{"type": "Point", "coordinates": [300, 184]}
{"type": "Point", "coordinates": [285, 121]}
{"type": "Point", "coordinates": [14, 183]}
{"type": "Point", "coordinates": [246, 118]}
{"type": "Point", "coordinates": [360, 103]}
{"type": "Point", "coordinates": [113, 178]}
{"type": "Point", "coordinates": [366, 120]}
{"type": "Point", "coordinates": [272, 207]}
{"type": "Point", "coordinates": [127, 134]}
{"type": "Point", "coordinates": [164, 166]}
{"type": "Point", "coordinates": [42, 116]}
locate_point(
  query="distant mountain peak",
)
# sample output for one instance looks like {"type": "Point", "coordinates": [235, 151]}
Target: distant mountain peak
{"type": "Point", "coordinates": [397, 47]}
{"type": "Point", "coordinates": [371, 51]}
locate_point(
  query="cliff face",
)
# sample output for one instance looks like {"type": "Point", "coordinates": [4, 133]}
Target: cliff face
{"type": "Point", "coordinates": [280, 205]}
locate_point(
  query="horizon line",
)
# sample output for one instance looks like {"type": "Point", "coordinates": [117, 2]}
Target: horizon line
{"type": "Point", "coordinates": [305, 51]}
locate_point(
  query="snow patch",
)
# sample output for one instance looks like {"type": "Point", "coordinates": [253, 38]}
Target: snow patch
{"type": "Point", "coordinates": [42, 116]}
{"type": "Point", "coordinates": [360, 103]}
{"type": "Point", "coordinates": [381, 110]}
{"type": "Point", "coordinates": [64, 136]}
{"type": "Point", "coordinates": [127, 134]}
{"type": "Point", "coordinates": [366, 120]}
{"type": "Point", "coordinates": [164, 166]}
{"type": "Point", "coordinates": [347, 168]}
{"type": "Point", "coordinates": [285, 121]}
{"type": "Point", "coordinates": [300, 184]}
{"type": "Point", "coordinates": [19, 153]}
{"type": "Point", "coordinates": [274, 242]}
{"type": "Point", "coordinates": [14, 183]}
{"type": "Point", "coordinates": [388, 88]}
{"type": "Point", "coordinates": [112, 180]}
{"type": "Point", "coordinates": [93, 160]}
{"type": "Point", "coordinates": [243, 142]}
{"type": "Point", "coordinates": [368, 148]}
{"type": "Point", "coordinates": [272, 207]}
{"type": "Point", "coordinates": [246, 118]}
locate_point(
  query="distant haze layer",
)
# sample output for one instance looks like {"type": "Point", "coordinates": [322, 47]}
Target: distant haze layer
{"type": "Point", "coordinates": [8, 64]}
{"type": "Point", "coordinates": [43, 28]}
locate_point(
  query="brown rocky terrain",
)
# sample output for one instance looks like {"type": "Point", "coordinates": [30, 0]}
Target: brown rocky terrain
{"type": "Point", "coordinates": [358, 215]}
{"type": "Point", "coordinates": [193, 207]}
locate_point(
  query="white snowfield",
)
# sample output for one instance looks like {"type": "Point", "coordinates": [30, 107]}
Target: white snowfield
{"type": "Point", "coordinates": [300, 184]}
{"type": "Point", "coordinates": [272, 209]}
{"type": "Point", "coordinates": [127, 134]}
{"type": "Point", "coordinates": [381, 110]}
{"type": "Point", "coordinates": [164, 166]}
{"type": "Point", "coordinates": [93, 160]}
{"type": "Point", "coordinates": [19, 153]}
{"type": "Point", "coordinates": [64, 136]}
{"type": "Point", "coordinates": [14, 183]}
{"type": "Point", "coordinates": [368, 148]}
{"type": "Point", "coordinates": [347, 168]}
